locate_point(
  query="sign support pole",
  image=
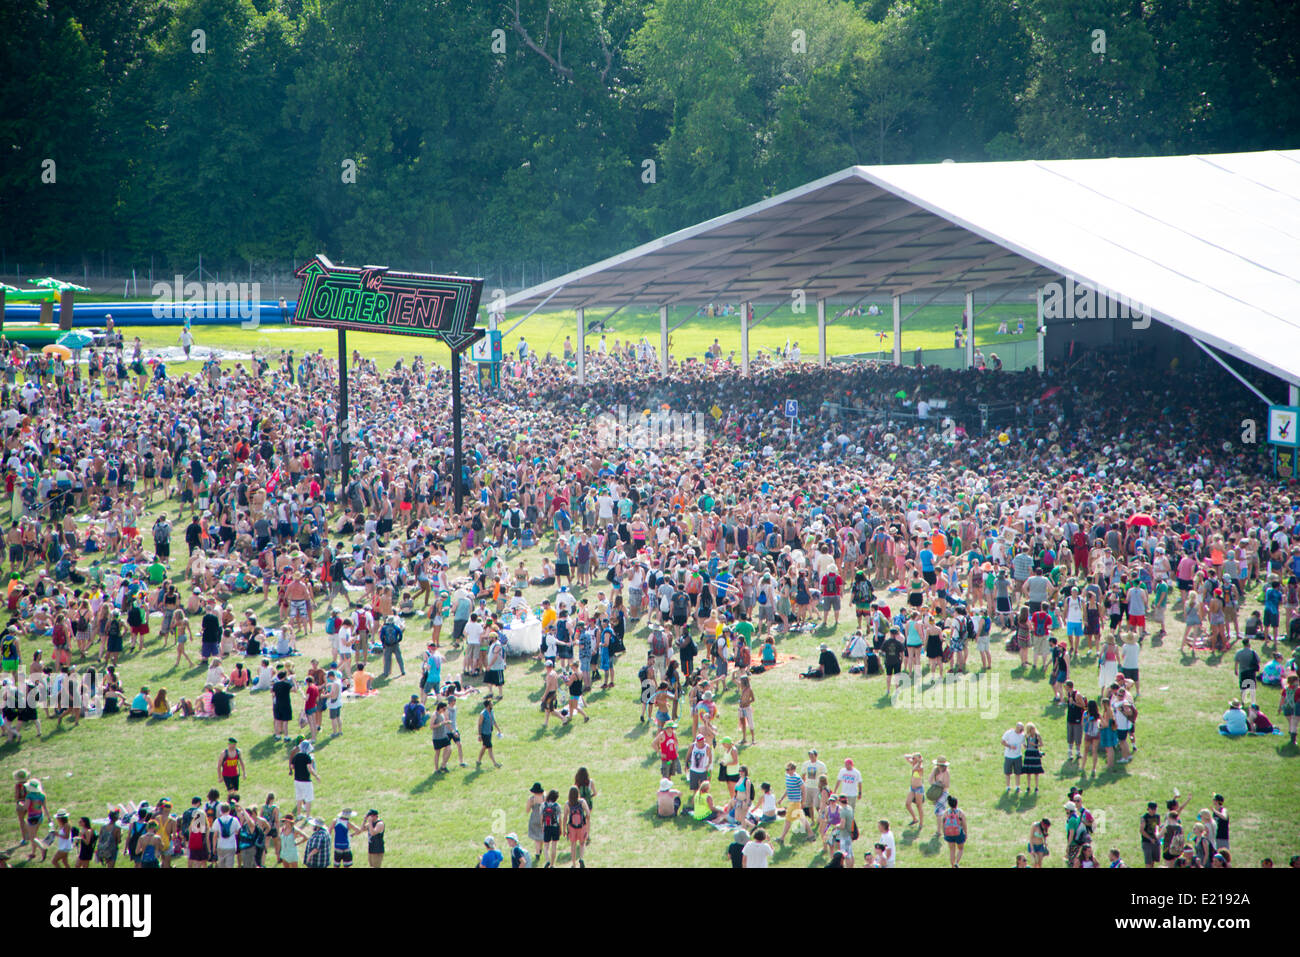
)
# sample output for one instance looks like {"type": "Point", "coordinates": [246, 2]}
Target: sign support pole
{"type": "Point", "coordinates": [457, 453]}
{"type": "Point", "coordinates": [343, 413]}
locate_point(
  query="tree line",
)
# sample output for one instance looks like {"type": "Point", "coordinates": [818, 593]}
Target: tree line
{"type": "Point", "coordinates": [472, 131]}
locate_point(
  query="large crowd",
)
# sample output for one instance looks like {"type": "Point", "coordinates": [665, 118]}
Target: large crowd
{"type": "Point", "coordinates": [1096, 502]}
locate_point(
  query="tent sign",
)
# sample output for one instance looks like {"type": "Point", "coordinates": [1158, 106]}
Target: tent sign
{"type": "Point", "coordinates": [792, 408]}
{"type": "Point", "coordinates": [377, 299]}
{"type": "Point", "coordinates": [1284, 425]}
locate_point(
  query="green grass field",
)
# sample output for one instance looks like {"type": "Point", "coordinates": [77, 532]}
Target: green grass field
{"type": "Point", "coordinates": [441, 820]}
{"type": "Point", "coordinates": [930, 328]}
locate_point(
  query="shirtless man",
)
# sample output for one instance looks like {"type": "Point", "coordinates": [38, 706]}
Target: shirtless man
{"type": "Point", "coordinates": [550, 693]}
{"type": "Point", "coordinates": [298, 592]}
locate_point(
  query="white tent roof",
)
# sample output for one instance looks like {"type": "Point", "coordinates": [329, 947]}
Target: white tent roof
{"type": "Point", "coordinates": [1209, 245]}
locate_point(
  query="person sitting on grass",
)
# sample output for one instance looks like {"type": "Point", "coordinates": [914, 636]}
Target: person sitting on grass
{"type": "Point", "coordinates": [264, 678]}
{"type": "Point", "coordinates": [414, 715]}
{"type": "Point", "coordinates": [239, 677]}
{"type": "Point", "coordinates": [827, 665]}
{"type": "Point", "coordinates": [668, 802]}
{"type": "Point", "coordinates": [1258, 720]}
{"type": "Point", "coordinates": [160, 709]}
{"type": "Point", "coordinates": [703, 809]}
{"type": "Point", "coordinates": [140, 704]}
{"type": "Point", "coordinates": [1234, 720]}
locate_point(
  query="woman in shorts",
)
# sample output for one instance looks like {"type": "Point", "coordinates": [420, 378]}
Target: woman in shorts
{"type": "Point", "coordinates": [197, 842]}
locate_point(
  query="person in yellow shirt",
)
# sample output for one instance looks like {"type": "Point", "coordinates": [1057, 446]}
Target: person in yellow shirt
{"type": "Point", "coordinates": [549, 615]}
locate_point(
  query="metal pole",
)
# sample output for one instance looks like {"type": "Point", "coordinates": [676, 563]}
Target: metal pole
{"type": "Point", "coordinates": [898, 330]}
{"type": "Point", "coordinates": [582, 346]}
{"type": "Point", "coordinates": [663, 340]}
{"type": "Point", "coordinates": [821, 333]}
{"type": "Point", "coordinates": [744, 338]}
{"type": "Point", "coordinates": [970, 329]}
{"type": "Point", "coordinates": [1041, 332]}
{"type": "Point", "coordinates": [343, 412]}
{"type": "Point", "coordinates": [458, 455]}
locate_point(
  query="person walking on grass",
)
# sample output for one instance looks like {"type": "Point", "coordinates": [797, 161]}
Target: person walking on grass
{"type": "Point", "coordinates": [747, 711]}
{"type": "Point", "coordinates": [550, 816]}
{"type": "Point", "coordinates": [954, 831]}
{"type": "Point", "coordinates": [577, 826]}
{"type": "Point", "coordinates": [793, 801]}
{"type": "Point", "coordinates": [487, 724]}
{"type": "Point", "coordinates": [1289, 707]}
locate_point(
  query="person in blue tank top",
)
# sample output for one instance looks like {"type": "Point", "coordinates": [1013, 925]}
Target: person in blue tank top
{"type": "Point", "coordinates": [343, 831]}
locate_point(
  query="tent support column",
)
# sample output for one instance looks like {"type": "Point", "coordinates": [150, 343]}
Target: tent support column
{"type": "Point", "coordinates": [821, 333]}
{"type": "Point", "coordinates": [1040, 331]}
{"type": "Point", "coordinates": [898, 330]}
{"type": "Point", "coordinates": [744, 338]}
{"type": "Point", "coordinates": [970, 329]}
{"type": "Point", "coordinates": [582, 346]}
{"type": "Point", "coordinates": [663, 340]}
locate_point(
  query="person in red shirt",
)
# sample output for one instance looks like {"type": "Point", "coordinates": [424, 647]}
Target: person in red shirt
{"type": "Point", "coordinates": [832, 589]}
{"type": "Point", "coordinates": [313, 706]}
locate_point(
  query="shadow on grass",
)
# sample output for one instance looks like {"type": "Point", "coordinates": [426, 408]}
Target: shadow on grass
{"type": "Point", "coordinates": [427, 784]}
{"type": "Point", "coordinates": [931, 847]}
{"type": "Point", "coordinates": [1287, 750]}
{"type": "Point", "coordinates": [267, 747]}
{"type": "Point", "coordinates": [639, 730]}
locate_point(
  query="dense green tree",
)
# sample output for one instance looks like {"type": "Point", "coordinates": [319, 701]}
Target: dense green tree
{"type": "Point", "coordinates": [456, 134]}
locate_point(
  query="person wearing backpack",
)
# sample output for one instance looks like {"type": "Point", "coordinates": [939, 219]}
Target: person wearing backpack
{"type": "Point", "coordinates": [577, 827]}
{"type": "Point", "coordinates": [1173, 839]}
{"type": "Point", "coordinates": [659, 649]}
{"type": "Point", "coordinates": [226, 831]}
{"type": "Point", "coordinates": [954, 831]}
{"type": "Point", "coordinates": [551, 827]}
{"type": "Point", "coordinates": [519, 858]}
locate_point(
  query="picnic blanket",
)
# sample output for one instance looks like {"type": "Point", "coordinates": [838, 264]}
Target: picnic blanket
{"type": "Point", "coordinates": [352, 694]}
{"type": "Point", "coordinates": [273, 655]}
{"type": "Point", "coordinates": [1251, 734]}
{"type": "Point", "coordinates": [781, 658]}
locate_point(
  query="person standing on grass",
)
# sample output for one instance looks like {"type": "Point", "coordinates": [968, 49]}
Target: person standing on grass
{"type": "Point", "coordinates": [487, 724]}
{"type": "Point", "coordinates": [1289, 706]}
{"type": "Point", "coordinates": [373, 827]}
{"type": "Point", "coordinates": [230, 765]}
{"type": "Point", "coordinates": [757, 852]}
{"type": "Point", "coordinates": [1038, 841]}
{"type": "Point", "coordinates": [845, 829]}
{"type": "Point", "coordinates": [577, 827]}
{"type": "Point", "coordinates": [954, 831]}
{"type": "Point", "coordinates": [316, 855]}
{"type": "Point", "coordinates": [1013, 743]}
{"type": "Point", "coordinates": [850, 781]}
{"type": "Point", "coordinates": [303, 768]}
{"type": "Point", "coordinates": [1149, 834]}
{"type": "Point", "coordinates": [281, 705]}
{"type": "Point", "coordinates": [746, 706]}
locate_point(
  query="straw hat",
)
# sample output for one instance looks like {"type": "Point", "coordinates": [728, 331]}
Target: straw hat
{"type": "Point", "coordinates": [941, 762]}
